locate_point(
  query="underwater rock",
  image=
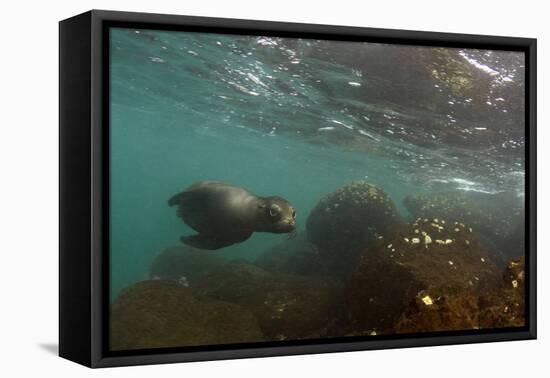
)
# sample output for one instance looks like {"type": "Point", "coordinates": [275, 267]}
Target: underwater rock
{"type": "Point", "coordinates": [498, 218]}
{"type": "Point", "coordinates": [506, 308]}
{"type": "Point", "coordinates": [513, 244]}
{"type": "Point", "coordinates": [434, 262]}
{"type": "Point", "coordinates": [234, 282]}
{"type": "Point", "coordinates": [503, 307]}
{"type": "Point", "coordinates": [450, 312]}
{"type": "Point", "coordinates": [346, 221]}
{"type": "Point", "coordinates": [294, 256]}
{"type": "Point", "coordinates": [184, 264]}
{"type": "Point", "coordinates": [286, 306]}
{"type": "Point", "coordinates": [155, 314]}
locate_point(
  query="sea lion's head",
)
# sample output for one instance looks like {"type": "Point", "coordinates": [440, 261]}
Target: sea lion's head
{"type": "Point", "coordinates": [278, 215]}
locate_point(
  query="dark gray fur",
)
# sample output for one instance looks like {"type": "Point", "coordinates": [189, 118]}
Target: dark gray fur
{"type": "Point", "coordinates": [223, 214]}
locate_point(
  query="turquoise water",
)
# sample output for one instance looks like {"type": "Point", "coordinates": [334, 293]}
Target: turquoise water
{"type": "Point", "coordinates": [297, 119]}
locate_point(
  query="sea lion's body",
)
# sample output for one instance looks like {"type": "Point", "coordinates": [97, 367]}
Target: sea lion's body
{"type": "Point", "coordinates": [224, 214]}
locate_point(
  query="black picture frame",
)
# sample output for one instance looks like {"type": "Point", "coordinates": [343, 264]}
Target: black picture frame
{"type": "Point", "coordinates": [84, 182]}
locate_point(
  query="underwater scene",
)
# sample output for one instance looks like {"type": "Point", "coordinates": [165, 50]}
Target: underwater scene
{"type": "Point", "coordinates": [270, 189]}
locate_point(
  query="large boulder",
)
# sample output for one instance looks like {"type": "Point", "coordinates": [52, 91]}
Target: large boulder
{"type": "Point", "coordinates": [344, 223]}
{"type": "Point", "coordinates": [498, 218]}
{"type": "Point", "coordinates": [434, 264]}
{"type": "Point", "coordinates": [499, 308]}
{"type": "Point", "coordinates": [286, 306]}
{"type": "Point", "coordinates": [506, 307]}
{"type": "Point", "coordinates": [453, 311]}
{"type": "Point", "coordinates": [184, 264]}
{"type": "Point", "coordinates": [157, 314]}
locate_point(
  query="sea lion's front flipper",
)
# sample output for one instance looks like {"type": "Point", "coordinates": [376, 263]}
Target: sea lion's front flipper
{"type": "Point", "coordinates": [211, 242]}
{"type": "Point", "coordinates": [192, 207]}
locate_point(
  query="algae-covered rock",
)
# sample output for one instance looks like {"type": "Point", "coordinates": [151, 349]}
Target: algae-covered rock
{"type": "Point", "coordinates": [453, 311]}
{"type": "Point", "coordinates": [434, 262]}
{"type": "Point", "coordinates": [156, 314]}
{"type": "Point", "coordinates": [346, 221]}
{"type": "Point", "coordinates": [184, 264]}
{"type": "Point", "coordinates": [498, 218]}
{"type": "Point", "coordinates": [456, 310]}
{"type": "Point", "coordinates": [506, 307]}
{"type": "Point", "coordinates": [286, 306]}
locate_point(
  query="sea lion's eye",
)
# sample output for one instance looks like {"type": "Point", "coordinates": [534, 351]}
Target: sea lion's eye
{"type": "Point", "coordinates": [275, 211]}
{"type": "Point", "coordinates": [293, 213]}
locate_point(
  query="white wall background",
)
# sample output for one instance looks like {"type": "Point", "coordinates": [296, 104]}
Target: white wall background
{"type": "Point", "coordinates": [28, 186]}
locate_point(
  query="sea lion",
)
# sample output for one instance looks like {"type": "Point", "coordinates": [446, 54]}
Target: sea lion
{"type": "Point", "coordinates": [224, 214]}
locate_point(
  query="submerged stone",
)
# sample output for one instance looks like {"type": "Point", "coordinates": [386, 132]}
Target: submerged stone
{"type": "Point", "coordinates": [294, 256]}
{"type": "Point", "coordinates": [287, 306]}
{"type": "Point", "coordinates": [500, 308]}
{"type": "Point", "coordinates": [184, 264]}
{"type": "Point", "coordinates": [506, 307]}
{"type": "Point", "coordinates": [497, 218]}
{"type": "Point", "coordinates": [444, 275]}
{"type": "Point", "coordinates": [156, 314]}
{"type": "Point", "coordinates": [344, 223]}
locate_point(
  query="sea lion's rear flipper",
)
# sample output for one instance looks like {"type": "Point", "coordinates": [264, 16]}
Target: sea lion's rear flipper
{"type": "Point", "coordinates": [186, 198]}
{"type": "Point", "coordinates": [174, 200]}
{"type": "Point", "coordinates": [210, 242]}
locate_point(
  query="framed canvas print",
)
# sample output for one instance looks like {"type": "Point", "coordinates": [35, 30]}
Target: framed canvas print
{"type": "Point", "coordinates": [233, 188]}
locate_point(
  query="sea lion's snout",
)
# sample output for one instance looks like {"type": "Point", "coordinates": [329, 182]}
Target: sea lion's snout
{"type": "Point", "coordinates": [284, 226]}
{"type": "Point", "coordinates": [288, 224]}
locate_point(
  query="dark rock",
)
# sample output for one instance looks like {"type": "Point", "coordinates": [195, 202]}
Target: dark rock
{"type": "Point", "coordinates": [513, 244]}
{"type": "Point", "coordinates": [156, 314]}
{"type": "Point", "coordinates": [434, 262]}
{"type": "Point", "coordinates": [294, 256]}
{"type": "Point", "coordinates": [456, 310]}
{"type": "Point", "coordinates": [286, 306]}
{"type": "Point", "coordinates": [346, 221]}
{"type": "Point", "coordinates": [498, 218]}
{"type": "Point", "coordinates": [506, 308]}
{"type": "Point", "coordinates": [236, 282]}
{"type": "Point", "coordinates": [452, 311]}
{"type": "Point", "coordinates": [184, 264]}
